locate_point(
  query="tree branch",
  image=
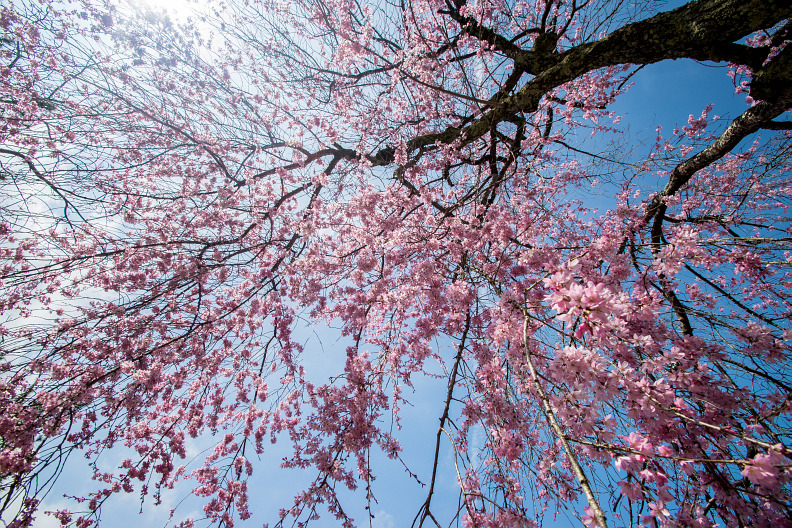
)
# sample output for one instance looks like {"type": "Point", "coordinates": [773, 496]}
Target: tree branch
{"type": "Point", "coordinates": [577, 469]}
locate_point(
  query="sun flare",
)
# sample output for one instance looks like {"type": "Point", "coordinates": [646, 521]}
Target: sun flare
{"type": "Point", "coordinates": [179, 9]}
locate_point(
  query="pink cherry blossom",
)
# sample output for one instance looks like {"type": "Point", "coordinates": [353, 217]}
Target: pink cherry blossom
{"type": "Point", "coordinates": [305, 222]}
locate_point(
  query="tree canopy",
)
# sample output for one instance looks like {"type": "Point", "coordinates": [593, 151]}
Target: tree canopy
{"type": "Point", "coordinates": [447, 183]}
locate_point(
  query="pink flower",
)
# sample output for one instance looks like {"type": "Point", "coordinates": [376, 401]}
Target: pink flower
{"type": "Point", "coordinates": [630, 490]}
{"type": "Point", "coordinates": [640, 443]}
{"type": "Point", "coordinates": [589, 520]}
{"type": "Point", "coordinates": [763, 469]}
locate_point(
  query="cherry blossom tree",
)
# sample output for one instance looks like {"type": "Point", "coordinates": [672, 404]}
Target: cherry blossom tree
{"type": "Point", "coordinates": [447, 182]}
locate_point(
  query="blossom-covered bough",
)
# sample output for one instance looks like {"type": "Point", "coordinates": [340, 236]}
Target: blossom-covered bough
{"type": "Point", "coordinates": [613, 317]}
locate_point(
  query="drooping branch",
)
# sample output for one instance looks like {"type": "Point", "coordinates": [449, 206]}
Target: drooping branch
{"type": "Point", "coordinates": [43, 178]}
{"type": "Point", "coordinates": [577, 469]}
{"type": "Point", "coordinates": [426, 508]}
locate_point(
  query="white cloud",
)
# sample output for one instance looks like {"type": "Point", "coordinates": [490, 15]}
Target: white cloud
{"type": "Point", "coordinates": [383, 519]}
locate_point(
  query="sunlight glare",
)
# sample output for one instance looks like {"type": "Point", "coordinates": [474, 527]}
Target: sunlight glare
{"type": "Point", "coordinates": [179, 9]}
